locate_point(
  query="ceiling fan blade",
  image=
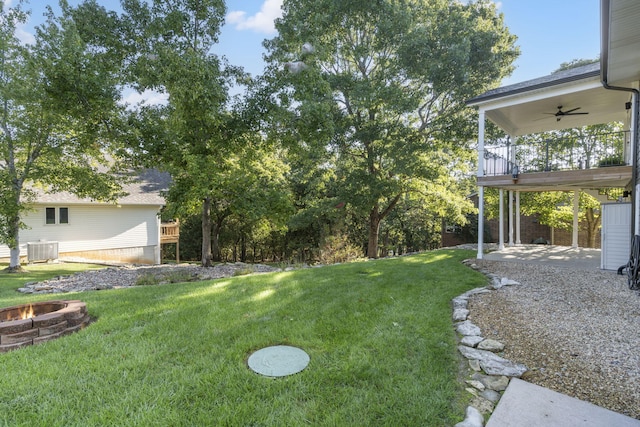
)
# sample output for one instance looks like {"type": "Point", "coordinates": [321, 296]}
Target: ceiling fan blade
{"type": "Point", "coordinates": [574, 114]}
{"type": "Point", "coordinates": [570, 111]}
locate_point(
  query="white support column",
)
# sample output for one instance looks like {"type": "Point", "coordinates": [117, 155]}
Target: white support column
{"type": "Point", "coordinates": [576, 211]}
{"type": "Point", "coordinates": [158, 248]}
{"type": "Point", "coordinates": [510, 218]}
{"type": "Point", "coordinates": [501, 222]}
{"type": "Point", "coordinates": [480, 221]}
{"type": "Point", "coordinates": [518, 242]}
{"type": "Point", "coordinates": [480, 188]}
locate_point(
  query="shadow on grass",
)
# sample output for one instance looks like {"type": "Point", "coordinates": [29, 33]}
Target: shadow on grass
{"type": "Point", "coordinates": [379, 335]}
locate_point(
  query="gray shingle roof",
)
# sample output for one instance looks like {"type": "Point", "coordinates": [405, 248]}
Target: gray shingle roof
{"type": "Point", "coordinates": [145, 189]}
{"type": "Point", "coordinates": [572, 74]}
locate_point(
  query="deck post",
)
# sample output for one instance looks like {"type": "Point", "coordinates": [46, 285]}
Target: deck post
{"type": "Point", "coordinates": [518, 241]}
{"type": "Point", "coordinates": [510, 217]}
{"type": "Point", "coordinates": [501, 222]}
{"type": "Point", "coordinates": [480, 188]}
{"type": "Point", "coordinates": [576, 211]}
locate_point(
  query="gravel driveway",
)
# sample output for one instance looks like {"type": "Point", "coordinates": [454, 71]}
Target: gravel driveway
{"type": "Point", "coordinates": [577, 331]}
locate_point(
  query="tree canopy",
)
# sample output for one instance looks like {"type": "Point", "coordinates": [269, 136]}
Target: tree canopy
{"type": "Point", "coordinates": [59, 112]}
{"type": "Point", "coordinates": [382, 89]}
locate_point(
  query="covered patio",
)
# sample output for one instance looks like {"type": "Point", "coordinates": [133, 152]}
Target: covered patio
{"type": "Point", "coordinates": [568, 99]}
{"type": "Point", "coordinates": [599, 93]}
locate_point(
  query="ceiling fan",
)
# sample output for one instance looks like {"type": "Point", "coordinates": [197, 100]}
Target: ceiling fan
{"type": "Point", "coordinates": [560, 114]}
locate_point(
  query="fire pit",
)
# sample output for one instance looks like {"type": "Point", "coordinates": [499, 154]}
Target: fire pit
{"type": "Point", "coordinates": [35, 323]}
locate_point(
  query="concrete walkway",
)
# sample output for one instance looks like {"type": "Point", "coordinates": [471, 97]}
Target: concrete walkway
{"type": "Point", "coordinates": [528, 405]}
{"type": "Point", "coordinates": [579, 258]}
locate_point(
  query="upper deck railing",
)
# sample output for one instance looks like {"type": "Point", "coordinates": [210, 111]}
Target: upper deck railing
{"type": "Point", "coordinates": [545, 155]}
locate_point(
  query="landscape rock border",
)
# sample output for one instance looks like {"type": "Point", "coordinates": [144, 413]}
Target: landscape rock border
{"type": "Point", "coordinates": [138, 275]}
{"type": "Point", "coordinates": [491, 372]}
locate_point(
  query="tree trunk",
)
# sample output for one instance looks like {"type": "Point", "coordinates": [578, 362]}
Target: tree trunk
{"type": "Point", "coordinates": [14, 250]}
{"type": "Point", "coordinates": [206, 232]}
{"type": "Point", "coordinates": [375, 218]}
{"type": "Point", "coordinates": [374, 229]}
{"type": "Point", "coordinates": [215, 243]}
{"type": "Point", "coordinates": [593, 223]}
{"type": "Point", "coordinates": [14, 234]}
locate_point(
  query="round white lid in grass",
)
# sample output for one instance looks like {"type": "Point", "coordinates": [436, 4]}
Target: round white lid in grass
{"type": "Point", "coordinates": [278, 361]}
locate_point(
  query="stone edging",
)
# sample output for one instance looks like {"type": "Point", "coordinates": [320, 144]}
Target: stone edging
{"type": "Point", "coordinates": [491, 372]}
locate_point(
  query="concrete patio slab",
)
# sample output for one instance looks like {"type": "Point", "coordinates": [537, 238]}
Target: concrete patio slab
{"type": "Point", "coordinates": [566, 256]}
{"type": "Point", "coordinates": [528, 405]}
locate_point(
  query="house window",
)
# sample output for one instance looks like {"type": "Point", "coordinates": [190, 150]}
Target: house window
{"type": "Point", "coordinates": [64, 215]}
{"type": "Point", "coordinates": [50, 216]}
{"type": "Point", "coordinates": [56, 215]}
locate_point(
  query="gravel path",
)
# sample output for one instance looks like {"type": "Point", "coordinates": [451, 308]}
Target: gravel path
{"type": "Point", "coordinates": [578, 332]}
{"type": "Point", "coordinates": [121, 277]}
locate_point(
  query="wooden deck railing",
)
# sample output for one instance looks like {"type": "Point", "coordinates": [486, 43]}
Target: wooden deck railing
{"type": "Point", "coordinates": [169, 232]}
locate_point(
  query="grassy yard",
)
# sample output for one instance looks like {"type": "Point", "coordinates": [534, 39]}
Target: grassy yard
{"type": "Point", "coordinates": [379, 334]}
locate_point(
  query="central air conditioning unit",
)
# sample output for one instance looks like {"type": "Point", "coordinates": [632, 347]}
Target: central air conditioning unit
{"type": "Point", "coordinates": [42, 251]}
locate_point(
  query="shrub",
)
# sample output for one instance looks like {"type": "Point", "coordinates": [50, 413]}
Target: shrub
{"type": "Point", "coordinates": [243, 271]}
{"type": "Point", "coordinates": [338, 249]}
{"type": "Point", "coordinates": [178, 276]}
{"type": "Point", "coordinates": [146, 279]}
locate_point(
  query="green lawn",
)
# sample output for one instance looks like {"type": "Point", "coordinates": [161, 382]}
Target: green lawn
{"type": "Point", "coordinates": [379, 334]}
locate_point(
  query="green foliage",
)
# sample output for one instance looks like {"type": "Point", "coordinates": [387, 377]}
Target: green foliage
{"type": "Point", "coordinates": [59, 117]}
{"type": "Point", "coordinates": [574, 63]}
{"type": "Point", "coordinates": [337, 249]}
{"type": "Point", "coordinates": [147, 279]}
{"type": "Point", "coordinates": [384, 93]}
{"type": "Point", "coordinates": [178, 276]}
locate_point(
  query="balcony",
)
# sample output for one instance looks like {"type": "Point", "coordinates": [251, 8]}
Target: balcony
{"type": "Point", "coordinates": [585, 161]}
{"type": "Point", "coordinates": [169, 232]}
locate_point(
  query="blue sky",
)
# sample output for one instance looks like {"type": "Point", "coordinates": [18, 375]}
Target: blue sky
{"type": "Point", "coordinates": [549, 31]}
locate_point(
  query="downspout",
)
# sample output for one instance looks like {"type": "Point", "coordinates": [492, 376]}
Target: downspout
{"type": "Point", "coordinates": [605, 8]}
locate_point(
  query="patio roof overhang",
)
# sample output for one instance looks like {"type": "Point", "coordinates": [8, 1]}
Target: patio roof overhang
{"type": "Point", "coordinates": [620, 41]}
{"type": "Point", "coordinates": [529, 107]}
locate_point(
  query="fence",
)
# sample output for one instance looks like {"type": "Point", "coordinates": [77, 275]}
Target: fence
{"type": "Point", "coordinates": [572, 153]}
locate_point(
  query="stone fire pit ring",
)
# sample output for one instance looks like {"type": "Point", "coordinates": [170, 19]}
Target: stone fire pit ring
{"type": "Point", "coordinates": [49, 320]}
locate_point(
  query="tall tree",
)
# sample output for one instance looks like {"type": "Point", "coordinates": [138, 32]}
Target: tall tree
{"type": "Point", "coordinates": [382, 84]}
{"type": "Point", "coordinates": [58, 111]}
{"type": "Point", "coordinates": [170, 50]}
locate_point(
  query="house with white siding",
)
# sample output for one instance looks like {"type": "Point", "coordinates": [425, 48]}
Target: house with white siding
{"type": "Point", "coordinates": [63, 226]}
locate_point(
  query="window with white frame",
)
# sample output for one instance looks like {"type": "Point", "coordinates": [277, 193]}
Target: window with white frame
{"type": "Point", "coordinates": [54, 216]}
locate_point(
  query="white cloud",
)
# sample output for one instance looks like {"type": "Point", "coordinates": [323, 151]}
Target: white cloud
{"type": "Point", "coordinates": [24, 36]}
{"type": "Point", "coordinates": [148, 97]}
{"type": "Point", "coordinates": [261, 22]}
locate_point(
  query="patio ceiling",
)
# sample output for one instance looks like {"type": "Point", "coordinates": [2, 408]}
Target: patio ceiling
{"type": "Point", "coordinates": [529, 107]}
